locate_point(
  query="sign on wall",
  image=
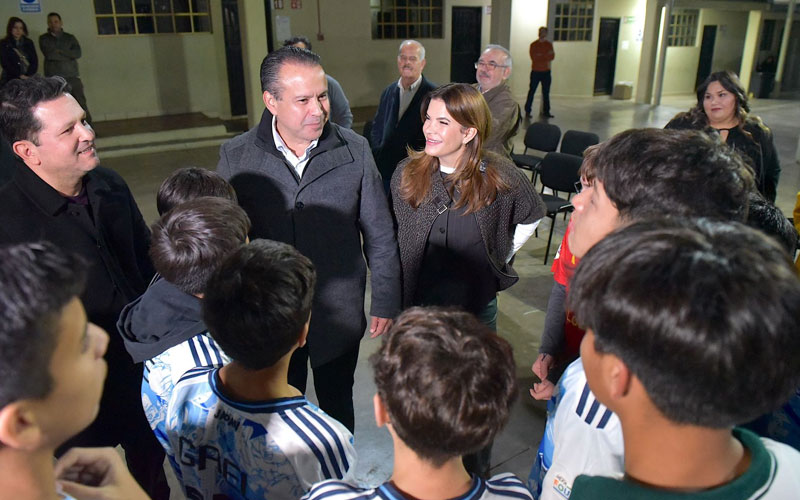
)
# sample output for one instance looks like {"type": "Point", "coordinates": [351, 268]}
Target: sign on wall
{"type": "Point", "coordinates": [27, 6]}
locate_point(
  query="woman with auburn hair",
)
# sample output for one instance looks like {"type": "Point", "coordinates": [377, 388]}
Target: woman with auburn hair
{"type": "Point", "coordinates": [462, 212]}
{"type": "Point", "coordinates": [723, 109]}
{"type": "Point", "coordinates": [17, 53]}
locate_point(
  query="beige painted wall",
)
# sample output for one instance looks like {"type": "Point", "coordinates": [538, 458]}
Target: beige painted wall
{"type": "Point", "coordinates": [574, 66]}
{"type": "Point", "coordinates": [137, 76]}
{"type": "Point", "coordinates": [681, 68]}
{"type": "Point", "coordinates": [364, 66]}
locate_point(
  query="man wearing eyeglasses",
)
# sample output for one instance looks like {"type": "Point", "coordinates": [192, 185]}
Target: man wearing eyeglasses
{"type": "Point", "coordinates": [492, 70]}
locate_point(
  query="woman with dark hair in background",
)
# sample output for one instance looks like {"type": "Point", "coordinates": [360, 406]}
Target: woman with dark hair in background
{"type": "Point", "coordinates": [17, 52]}
{"type": "Point", "coordinates": [722, 108]}
{"type": "Point", "coordinates": [462, 212]}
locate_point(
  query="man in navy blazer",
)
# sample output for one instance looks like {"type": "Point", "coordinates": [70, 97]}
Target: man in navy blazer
{"type": "Point", "coordinates": [397, 123]}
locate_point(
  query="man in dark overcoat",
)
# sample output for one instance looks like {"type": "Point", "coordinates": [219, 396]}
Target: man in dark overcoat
{"type": "Point", "coordinates": [312, 184]}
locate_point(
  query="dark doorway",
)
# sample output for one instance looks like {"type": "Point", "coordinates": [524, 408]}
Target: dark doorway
{"type": "Point", "coordinates": [606, 56]}
{"type": "Point", "coordinates": [466, 46]}
{"type": "Point", "coordinates": [233, 57]}
{"type": "Point", "coordinates": [706, 54]}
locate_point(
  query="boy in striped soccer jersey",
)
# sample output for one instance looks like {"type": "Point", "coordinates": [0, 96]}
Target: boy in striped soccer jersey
{"type": "Point", "coordinates": [164, 327]}
{"type": "Point", "coordinates": [445, 384]}
{"type": "Point", "coordinates": [241, 431]}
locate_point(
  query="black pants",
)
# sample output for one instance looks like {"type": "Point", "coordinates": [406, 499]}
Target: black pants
{"type": "Point", "coordinates": [536, 77]}
{"type": "Point", "coordinates": [333, 383]}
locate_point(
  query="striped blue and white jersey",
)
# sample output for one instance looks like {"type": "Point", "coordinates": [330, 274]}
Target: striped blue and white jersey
{"type": "Point", "coordinates": [581, 436]}
{"type": "Point", "coordinates": [274, 449]}
{"type": "Point", "coordinates": [162, 372]}
{"type": "Point", "coordinates": [501, 486]}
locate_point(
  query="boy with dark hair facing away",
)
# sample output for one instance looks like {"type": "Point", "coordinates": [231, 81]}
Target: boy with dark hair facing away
{"type": "Point", "coordinates": [678, 315]}
{"type": "Point", "coordinates": [164, 327]}
{"type": "Point", "coordinates": [188, 183]}
{"type": "Point", "coordinates": [51, 379]}
{"type": "Point", "coordinates": [242, 431]}
{"type": "Point", "coordinates": [445, 384]}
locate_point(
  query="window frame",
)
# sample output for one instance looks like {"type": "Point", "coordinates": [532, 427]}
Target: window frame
{"type": "Point", "coordinates": [130, 17]}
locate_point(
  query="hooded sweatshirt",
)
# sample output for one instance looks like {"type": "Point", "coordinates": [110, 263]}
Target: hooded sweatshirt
{"type": "Point", "coordinates": [165, 329]}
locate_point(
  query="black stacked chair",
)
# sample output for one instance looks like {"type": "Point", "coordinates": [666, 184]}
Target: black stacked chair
{"type": "Point", "coordinates": [576, 142]}
{"type": "Point", "coordinates": [559, 172]}
{"type": "Point", "coordinates": [541, 137]}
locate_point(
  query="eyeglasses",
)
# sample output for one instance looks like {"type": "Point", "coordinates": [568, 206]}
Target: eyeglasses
{"type": "Point", "coordinates": [491, 65]}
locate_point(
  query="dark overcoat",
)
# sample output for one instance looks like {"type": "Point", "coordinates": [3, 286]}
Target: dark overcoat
{"type": "Point", "coordinates": [336, 210]}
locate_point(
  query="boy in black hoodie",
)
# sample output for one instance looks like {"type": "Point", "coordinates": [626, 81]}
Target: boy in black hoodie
{"type": "Point", "coordinates": [164, 327]}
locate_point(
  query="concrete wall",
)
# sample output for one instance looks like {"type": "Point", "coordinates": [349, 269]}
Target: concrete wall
{"type": "Point", "coordinates": [364, 66]}
{"type": "Point", "coordinates": [137, 76]}
{"type": "Point", "coordinates": [681, 68]}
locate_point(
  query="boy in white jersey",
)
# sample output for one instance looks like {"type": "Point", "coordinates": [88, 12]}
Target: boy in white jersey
{"type": "Point", "coordinates": [164, 327]}
{"type": "Point", "coordinates": [241, 431]}
{"type": "Point", "coordinates": [51, 379]}
{"type": "Point", "coordinates": [445, 384]}
{"type": "Point", "coordinates": [691, 329]}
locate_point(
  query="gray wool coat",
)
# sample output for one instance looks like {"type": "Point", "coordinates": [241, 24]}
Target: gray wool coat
{"type": "Point", "coordinates": [336, 215]}
{"type": "Point", "coordinates": [520, 204]}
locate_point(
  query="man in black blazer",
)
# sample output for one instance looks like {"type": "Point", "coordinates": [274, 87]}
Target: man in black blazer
{"type": "Point", "coordinates": [58, 193]}
{"type": "Point", "coordinates": [397, 122]}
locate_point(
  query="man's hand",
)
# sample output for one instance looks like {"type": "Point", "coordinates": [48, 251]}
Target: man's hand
{"type": "Point", "coordinates": [379, 326]}
{"type": "Point", "coordinates": [96, 474]}
{"type": "Point", "coordinates": [541, 367]}
{"type": "Point", "coordinates": [543, 390]}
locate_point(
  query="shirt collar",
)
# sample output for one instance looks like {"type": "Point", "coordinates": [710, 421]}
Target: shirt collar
{"type": "Point", "coordinates": [414, 86]}
{"type": "Point", "coordinates": [281, 146]}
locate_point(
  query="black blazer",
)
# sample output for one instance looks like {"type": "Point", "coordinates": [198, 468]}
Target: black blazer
{"type": "Point", "coordinates": [390, 137]}
{"type": "Point", "coordinates": [114, 238]}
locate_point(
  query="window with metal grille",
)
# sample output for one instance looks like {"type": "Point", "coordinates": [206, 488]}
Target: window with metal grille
{"type": "Point", "coordinates": [683, 28]}
{"type": "Point", "coordinates": [573, 20]}
{"type": "Point", "coordinates": [402, 19]}
{"type": "Point", "coordinates": [146, 17]}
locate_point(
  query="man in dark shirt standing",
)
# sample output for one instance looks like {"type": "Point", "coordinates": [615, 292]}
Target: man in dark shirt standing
{"type": "Point", "coordinates": [58, 193]}
{"type": "Point", "coordinates": [61, 52]}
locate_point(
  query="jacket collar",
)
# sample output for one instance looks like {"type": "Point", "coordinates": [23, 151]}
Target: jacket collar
{"type": "Point", "coordinates": [330, 138]}
{"type": "Point", "coordinates": [48, 199]}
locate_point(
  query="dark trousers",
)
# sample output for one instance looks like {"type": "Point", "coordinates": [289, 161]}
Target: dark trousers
{"type": "Point", "coordinates": [536, 77]}
{"type": "Point", "coordinates": [76, 91]}
{"type": "Point", "coordinates": [333, 383]}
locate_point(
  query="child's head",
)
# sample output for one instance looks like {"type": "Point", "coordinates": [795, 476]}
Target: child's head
{"type": "Point", "coordinates": [643, 173]}
{"type": "Point", "coordinates": [190, 241]}
{"type": "Point", "coordinates": [446, 381]}
{"type": "Point", "coordinates": [53, 370]}
{"type": "Point", "coordinates": [258, 302]}
{"type": "Point", "coordinates": [189, 183]}
{"type": "Point", "coordinates": [702, 313]}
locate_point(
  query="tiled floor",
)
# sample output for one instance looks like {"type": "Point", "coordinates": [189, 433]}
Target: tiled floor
{"type": "Point", "coordinates": [521, 314]}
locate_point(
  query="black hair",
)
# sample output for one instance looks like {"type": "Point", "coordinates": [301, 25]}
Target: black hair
{"type": "Point", "coordinates": [54, 14]}
{"type": "Point", "coordinates": [703, 313]}
{"type": "Point", "coordinates": [19, 97]}
{"type": "Point", "coordinates": [37, 280]}
{"type": "Point", "coordinates": [298, 39]}
{"type": "Point", "coordinates": [653, 172]}
{"type": "Point", "coordinates": [11, 22]}
{"type": "Point", "coordinates": [258, 301]}
{"type": "Point", "coordinates": [190, 241]}
{"type": "Point", "coordinates": [189, 183]}
{"type": "Point", "coordinates": [447, 381]}
{"type": "Point", "coordinates": [272, 64]}
{"type": "Point", "coordinates": [764, 215]}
